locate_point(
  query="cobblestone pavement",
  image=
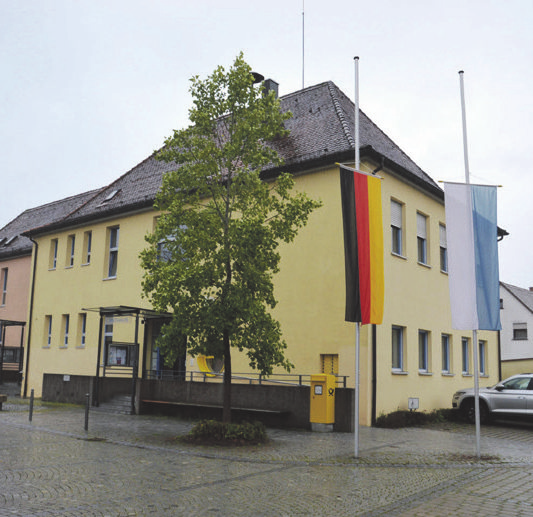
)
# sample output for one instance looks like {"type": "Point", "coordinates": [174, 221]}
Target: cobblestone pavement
{"type": "Point", "coordinates": [131, 465]}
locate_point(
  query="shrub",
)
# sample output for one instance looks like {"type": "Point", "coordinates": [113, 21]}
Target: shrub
{"type": "Point", "coordinates": [219, 433]}
{"type": "Point", "coordinates": [404, 418]}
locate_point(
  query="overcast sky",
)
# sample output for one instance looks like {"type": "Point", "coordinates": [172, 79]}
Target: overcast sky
{"type": "Point", "coordinates": [89, 88]}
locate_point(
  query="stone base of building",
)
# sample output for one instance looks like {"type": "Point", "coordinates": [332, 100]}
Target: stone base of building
{"type": "Point", "coordinates": [321, 428]}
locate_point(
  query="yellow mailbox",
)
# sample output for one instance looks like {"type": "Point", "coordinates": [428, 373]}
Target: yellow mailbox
{"type": "Point", "coordinates": [322, 399]}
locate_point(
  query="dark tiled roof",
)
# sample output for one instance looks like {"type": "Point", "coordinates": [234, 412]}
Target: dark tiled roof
{"type": "Point", "coordinates": [321, 132]}
{"type": "Point", "coordinates": [13, 243]}
{"type": "Point", "coordinates": [323, 126]}
{"type": "Point", "coordinates": [524, 296]}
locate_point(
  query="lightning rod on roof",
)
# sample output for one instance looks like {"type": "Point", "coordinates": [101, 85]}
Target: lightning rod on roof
{"type": "Point", "coordinates": [303, 44]}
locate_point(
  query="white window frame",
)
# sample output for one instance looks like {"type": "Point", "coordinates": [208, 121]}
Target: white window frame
{"type": "Point", "coordinates": [396, 227]}
{"type": "Point", "coordinates": [54, 244]}
{"type": "Point", "coordinates": [482, 357]}
{"type": "Point", "coordinates": [83, 328]}
{"type": "Point", "coordinates": [66, 328]}
{"type": "Point", "coordinates": [520, 331]}
{"type": "Point", "coordinates": [48, 328]}
{"type": "Point", "coordinates": [423, 351]}
{"type": "Point", "coordinates": [399, 345]}
{"type": "Point", "coordinates": [443, 244]}
{"type": "Point", "coordinates": [465, 356]}
{"type": "Point", "coordinates": [87, 246]}
{"type": "Point", "coordinates": [112, 267]}
{"type": "Point", "coordinates": [71, 250]}
{"type": "Point", "coordinates": [5, 272]}
{"type": "Point", "coordinates": [446, 353]}
{"type": "Point", "coordinates": [422, 238]}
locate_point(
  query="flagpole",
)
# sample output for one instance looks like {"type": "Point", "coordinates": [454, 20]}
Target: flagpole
{"type": "Point", "coordinates": [358, 324]}
{"type": "Point", "coordinates": [474, 331]}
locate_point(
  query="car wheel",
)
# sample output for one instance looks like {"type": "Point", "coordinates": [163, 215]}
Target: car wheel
{"type": "Point", "coordinates": [469, 411]}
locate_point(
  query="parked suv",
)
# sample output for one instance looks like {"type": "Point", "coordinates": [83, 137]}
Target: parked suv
{"type": "Point", "coordinates": [513, 396]}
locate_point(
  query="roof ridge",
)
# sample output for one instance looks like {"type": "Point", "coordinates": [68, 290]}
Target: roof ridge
{"type": "Point", "coordinates": [297, 93]}
{"type": "Point", "coordinates": [333, 91]}
{"type": "Point", "coordinates": [398, 148]}
{"type": "Point", "coordinates": [47, 205]}
{"type": "Point", "coordinates": [94, 193]}
{"type": "Point", "coordinates": [523, 291]}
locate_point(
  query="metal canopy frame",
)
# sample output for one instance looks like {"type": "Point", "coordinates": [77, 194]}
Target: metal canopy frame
{"type": "Point", "coordinates": [3, 325]}
{"type": "Point", "coordinates": [126, 310]}
{"type": "Point", "coordinates": [123, 310]}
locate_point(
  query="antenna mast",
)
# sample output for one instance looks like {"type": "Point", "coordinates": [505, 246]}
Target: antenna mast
{"type": "Point", "coordinates": [303, 44]}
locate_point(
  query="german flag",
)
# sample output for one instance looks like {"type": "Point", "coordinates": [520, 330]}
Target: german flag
{"type": "Point", "coordinates": [363, 246]}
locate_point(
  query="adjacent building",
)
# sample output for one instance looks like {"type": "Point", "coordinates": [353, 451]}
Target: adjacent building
{"type": "Point", "coordinates": [516, 313]}
{"type": "Point", "coordinates": [88, 315]}
{"type": "Point", "coordinates": [15, 279]}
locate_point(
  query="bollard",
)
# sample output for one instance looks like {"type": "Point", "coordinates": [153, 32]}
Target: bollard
{"type": "Point", "coordinates": [86, 412]}
{"type": "Point", "coordinates": [31, 405]}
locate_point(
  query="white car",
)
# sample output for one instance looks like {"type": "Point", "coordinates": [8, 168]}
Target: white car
{"type": "Point", "coordinates": [513, 396]}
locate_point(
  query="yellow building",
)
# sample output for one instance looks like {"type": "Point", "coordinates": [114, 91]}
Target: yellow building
{"type": "Point", "coordinates": [88, 309]}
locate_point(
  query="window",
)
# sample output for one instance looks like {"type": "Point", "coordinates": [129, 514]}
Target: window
{"type": "Point", "coordinates": [329, 363]}
{"type": "Point", "coordinates": [422, 238]}
{"type": "Point", "coordinates": [423, 351]}
{"type": "Point", "coordinates": [465, 352]}
{"type": "Point", "coordinates": [113, 252]}
{"type": "Point", "coordinates": [4, 285]}
{"type": "Point", "coordinates": [165, 248]}
{"type": "Point", "coordinates": [397, 348]}
{"type": "Point", "coordinates": [48, 330]}
{"type": "Point", "coordinates": [117, 354]}
{"type": "Point", "coordinates": [12, 355]}
{"type": "Point", "coordinates": [163, 252]}
{"type": "Point", "coordinates": [66, 325]}
{"type": "Point", "coordinates": [71, 244]}
{"type": "Point", "coordinates": [82, 326]}
{"type": "Point", "coordinates": [52, 262]}
{"type": "Point", "coordinates": [518, 383]}
{"type": "Point", "coordinates": [111, 195]}
{"type": "Point", "coordinates": [108, 334]}
{"type": "Point", "coordinates": [396, 210]}
{"type": "Point", "coordinates": [443, 243]}
{"type": "Point", "coordinates": [87, 245]}
{"type": "Point", "coordinates": [446, 355]}
{"type": "Point", "coordinates": [519, 331]}
{"type": "Point", "coordinates": [482, 357]}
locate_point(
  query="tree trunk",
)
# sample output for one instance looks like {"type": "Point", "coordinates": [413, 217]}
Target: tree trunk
{"type": "Point", "coordinates": [226, 408]}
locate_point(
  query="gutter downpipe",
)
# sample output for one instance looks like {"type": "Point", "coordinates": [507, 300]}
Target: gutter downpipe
{"type": "Point", "coordinates": [30, 318]}
{"type": "Point", "coordinates": [374, 376]}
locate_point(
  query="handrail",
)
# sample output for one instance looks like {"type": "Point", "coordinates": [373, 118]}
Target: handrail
{"type": "Point", "coordinates": [287, 379]}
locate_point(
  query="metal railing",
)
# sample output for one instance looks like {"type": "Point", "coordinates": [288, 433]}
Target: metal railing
{"type": "Point", "coordinates": [287, 379]}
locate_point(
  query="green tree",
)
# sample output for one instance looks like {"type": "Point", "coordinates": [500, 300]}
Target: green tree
{"type": "Point", "coordinates": [214, 251]}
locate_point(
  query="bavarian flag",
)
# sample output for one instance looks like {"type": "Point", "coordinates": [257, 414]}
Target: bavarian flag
{"type": "Point", "coordinates": [473, 267]}
{"type": "Point", "coordinates": [363, 246]}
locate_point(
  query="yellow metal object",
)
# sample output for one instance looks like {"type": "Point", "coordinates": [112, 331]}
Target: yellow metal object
{"type": "Point", "coordinates": [322, 399]}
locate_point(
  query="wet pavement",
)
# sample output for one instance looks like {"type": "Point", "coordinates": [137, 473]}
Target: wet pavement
{"type": "Point", "coordinates": [132, 465]}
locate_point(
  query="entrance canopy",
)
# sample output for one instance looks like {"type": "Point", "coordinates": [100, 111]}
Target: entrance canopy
{"type": "Point", "coordinates": [3, 325]}
{"type": "Point", "coordinates": [12, 323]}
{"type": "Point", "coordinates": [125, 310]}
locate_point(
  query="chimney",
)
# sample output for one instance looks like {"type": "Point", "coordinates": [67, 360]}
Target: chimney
{"type": "Point", "coordinates": [271, 85]}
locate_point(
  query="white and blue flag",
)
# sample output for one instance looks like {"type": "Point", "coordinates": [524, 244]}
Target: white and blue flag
{"type": "Point", "coordinates": [472, 241]}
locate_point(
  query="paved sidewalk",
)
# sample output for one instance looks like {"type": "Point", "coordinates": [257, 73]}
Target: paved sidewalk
{"type": "Point", "coordinates": [131, 465]}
